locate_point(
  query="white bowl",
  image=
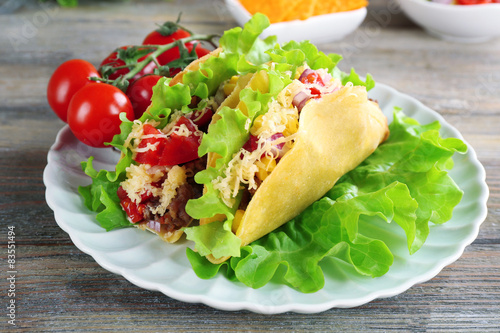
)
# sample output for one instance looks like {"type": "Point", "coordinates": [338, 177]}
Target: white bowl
{"type": "Point", "coordinates": [317, 29]}
{"type": "Point", "coordinates": [460, 23]}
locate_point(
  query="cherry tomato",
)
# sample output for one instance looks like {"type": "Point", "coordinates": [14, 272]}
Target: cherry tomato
{"type": "Point", "coordinates": [164, 36]}
{"type": "Point", "coordinates": [93, 113]}
{"type": "Point", "coordinates": [167, 34]}
{"type": "Point", "coordinates": [140, 92]}
{"type": "Point", "coordinates": [66, 80]}
{"type": "Point", "coordinates": [473, 2]}
{"type": "Point", "coordinates": [114, 60]}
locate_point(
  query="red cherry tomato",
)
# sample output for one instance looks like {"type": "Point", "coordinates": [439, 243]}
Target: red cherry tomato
{"type": "Point", "coordinates": [66, 80]}
{"type": "Point", "coordinates": [93, 113]}
{"type": "Point", "coordinates": [166, 36]}
{"type": "Point", "coordinates": [114, 60]}
{"type": "Point", "coordinates": [140, 92]}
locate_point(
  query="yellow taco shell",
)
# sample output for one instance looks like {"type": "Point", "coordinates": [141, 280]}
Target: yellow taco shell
{"type": "Point", "coordinates": [336, 133]}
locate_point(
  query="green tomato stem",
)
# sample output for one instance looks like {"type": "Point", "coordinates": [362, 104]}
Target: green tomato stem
{"type": "Point", "coordinates": [162, 48]}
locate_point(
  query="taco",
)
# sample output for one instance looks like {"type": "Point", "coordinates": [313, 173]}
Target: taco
{"type": "Point", "coordinates": [301, 132]}
{"type": "Point", "coordinates": [159, 179]}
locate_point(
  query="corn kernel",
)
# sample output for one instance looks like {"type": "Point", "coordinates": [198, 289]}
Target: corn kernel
{"type": "Point", "coordinates": [234, 79]}
{"type": "Point", "coordinates": [230, 85]}
{"type": "Point", "coordinates": [228, 88]}
{"type": "Point", "coordinates": [262, 174]}
{"type": "Point", "coordinates": [265, 165]}
{"type": "Point", "coordinates": [298, 72]}
{"type": "Point", "coordinates": [269, 162]}
{"type": "Point", "coordinates": [257, 123]}
{"type": "Point", "coordinates": [291, 126]}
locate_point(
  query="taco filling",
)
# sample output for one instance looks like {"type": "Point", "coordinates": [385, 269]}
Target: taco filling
{"type": "Point", "coordinates": [302, 132]}
{"type": "Point", "coordinates": [272, 136]}
{"type": "Point", "coordinates": [160, 181]}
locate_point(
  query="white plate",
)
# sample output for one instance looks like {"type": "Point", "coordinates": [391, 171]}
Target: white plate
{"type": "Point", "coordinates": [317, 29]}
{"type": "Point", "coordinates": [456, 23]}
{"type": "Point", "coordinates": [148, 262]}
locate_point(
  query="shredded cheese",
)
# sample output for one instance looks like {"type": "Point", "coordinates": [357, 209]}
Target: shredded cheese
{"type": "Point", "coordinates": [140, 181]}
{"type": "Point", "coordinates": [175, 178]}
{"type": "Point", "coordinates": [143, 179]}
{"type": "Point", "coordinates": [250, 168]}
{"type": "Point", "coordinates": [137, 134]}
{"type": "Point", "coordinates": [246, 167]}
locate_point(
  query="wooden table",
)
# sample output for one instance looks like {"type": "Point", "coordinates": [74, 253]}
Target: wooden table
{"type": "Point", "coordinates": [60, 288]}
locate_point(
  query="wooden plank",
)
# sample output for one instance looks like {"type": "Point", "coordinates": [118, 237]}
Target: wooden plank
{"type": "Point", "coordinates": [60, 288]}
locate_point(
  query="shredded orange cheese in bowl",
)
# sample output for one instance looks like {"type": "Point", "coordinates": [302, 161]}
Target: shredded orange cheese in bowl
{"type": "Point", "coordinates": [281, 10]}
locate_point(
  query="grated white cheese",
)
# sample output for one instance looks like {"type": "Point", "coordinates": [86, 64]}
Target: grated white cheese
{"type": "Point", "coordinates": [175, 178]}
{"type": "Point", "coordinates": [180, 130]}
{"type": "Point", "coordinates": [137, 134]}
{"type": "Point", "coordinates": [242, 168]}
{"type": "Point", "coordinates": [140, 181]}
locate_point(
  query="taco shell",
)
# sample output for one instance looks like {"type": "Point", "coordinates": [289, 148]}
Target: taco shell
{"type": "Point", "coordinates": [336, 133]}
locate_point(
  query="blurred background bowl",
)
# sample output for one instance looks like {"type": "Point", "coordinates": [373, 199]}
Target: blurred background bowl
{"type": "Point", "coordinates": [317, 29]}
{"type": "Point", "coordinates": [459, 23]}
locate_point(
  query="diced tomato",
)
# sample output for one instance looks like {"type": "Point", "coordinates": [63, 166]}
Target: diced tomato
{"type": "Point", "coordinates": [252, 144]}
{"type": "Point", "coordinates": [122, 194]}
{"type": "Point", "coordinates": [202, 117]}
{"type": "Point", "coordinates": [181, 149]}
{"type": "Point", "coordinates": [134, 211]}
{"type": "Point", "coordinates": [150, 157]}
{"type": "Point", "coordinates": [173, 150]}
{"type": "Point", "coordinates": [315, 92]}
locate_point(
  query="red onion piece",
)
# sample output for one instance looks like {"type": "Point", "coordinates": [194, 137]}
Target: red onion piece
{"type": "Point", "coordinates": [154, 225]}
{"type": "Point", "coordinates": [277, 149]}
{"type": "Point", "coordinates": [300, 100]}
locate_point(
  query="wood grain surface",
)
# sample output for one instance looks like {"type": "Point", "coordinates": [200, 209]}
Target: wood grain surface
{"type": "Point", "coordinates": [59, 288]}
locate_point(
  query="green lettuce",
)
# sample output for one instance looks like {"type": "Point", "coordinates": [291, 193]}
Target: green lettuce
{"type": "Point", "coordinates": [404, 181]}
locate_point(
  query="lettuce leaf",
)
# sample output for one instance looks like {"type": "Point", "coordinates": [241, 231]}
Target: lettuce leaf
{"type": "Point", "coordinates": [101, 196]}
{"type": "Point", "coordinates": [404, 181]}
